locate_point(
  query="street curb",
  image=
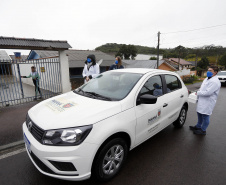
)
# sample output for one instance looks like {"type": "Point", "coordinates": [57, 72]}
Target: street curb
{"type": "Point", "coordinates": [12, 145]}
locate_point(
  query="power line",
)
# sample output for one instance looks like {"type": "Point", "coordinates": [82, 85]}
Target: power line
{"type": "Point", "coordinates": [195, 29]}
{"type": "Point", "coordinates": [194, 39]}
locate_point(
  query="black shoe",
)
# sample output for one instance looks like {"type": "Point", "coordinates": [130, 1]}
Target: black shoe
{"type": "Point", "coordinates": [35, 98]}
{"type": "Point", "coordinates": [194, 128]}
{"type": "Point", "coordinates": [40, 97]}
{"type": "Point", "coordinates": [199, 132]}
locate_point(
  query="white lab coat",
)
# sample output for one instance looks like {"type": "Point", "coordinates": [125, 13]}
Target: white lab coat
{"type": "Point", "coordinates": [94, 70]}
{"type": "Point", "coordinates": [207, 95]}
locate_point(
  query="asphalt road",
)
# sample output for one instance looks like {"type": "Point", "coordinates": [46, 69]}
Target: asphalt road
{"type": "Point", "coordinates": [173, 156]}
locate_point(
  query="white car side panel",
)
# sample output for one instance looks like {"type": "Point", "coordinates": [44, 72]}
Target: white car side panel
{"type": "Point", "coordinates": [122, 122]}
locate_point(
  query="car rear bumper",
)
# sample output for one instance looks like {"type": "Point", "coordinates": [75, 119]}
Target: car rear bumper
{"type": "Point", "coordinates": [67, 162]}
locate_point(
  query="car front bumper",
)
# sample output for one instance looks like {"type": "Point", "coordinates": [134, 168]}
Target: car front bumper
{"type": "Point", "coordinates": [222, 79]}
{"type": "Point", "coordinates": [43, 156]}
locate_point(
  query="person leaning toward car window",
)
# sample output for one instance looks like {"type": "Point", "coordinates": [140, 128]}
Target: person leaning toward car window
{"type": "Point", "coordinates": [35, 78]}
{"type": "Point", "coordinates": [117, 64]}
{"type": "Point", "coordinates": [207, 97]}
{"type": "Point", "coordinates": [91, 68]}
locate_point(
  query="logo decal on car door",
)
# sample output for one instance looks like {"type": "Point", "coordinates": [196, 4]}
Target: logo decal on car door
{"type": "Point", "coordinates": [154, 118]}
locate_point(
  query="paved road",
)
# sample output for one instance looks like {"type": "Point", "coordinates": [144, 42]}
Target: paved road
{"type": "Point", "coordinates": [11, 122]}
{"type": "Point", "coordinates": [174, 156]}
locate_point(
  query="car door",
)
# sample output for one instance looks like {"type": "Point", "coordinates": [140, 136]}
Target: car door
{"type": "Point", "coordinates": [174, 98]}
{"type": "Point", "coordinates": [149, 116]}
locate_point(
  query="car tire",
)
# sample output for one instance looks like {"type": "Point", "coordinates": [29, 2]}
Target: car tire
{"type": "Point", "coordinates": [182, 118]}
{"type": "Point", "coordinates": [110, 159]}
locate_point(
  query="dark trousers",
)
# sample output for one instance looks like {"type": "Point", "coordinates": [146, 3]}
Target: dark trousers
{"type": "Point", "coordinates": [37, 89]}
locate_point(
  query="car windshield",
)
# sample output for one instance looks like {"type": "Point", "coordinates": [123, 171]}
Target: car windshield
{"type": "Point", "coordinates": [111, 86]}
{"type": "Point", "coordinates": [221, 73]}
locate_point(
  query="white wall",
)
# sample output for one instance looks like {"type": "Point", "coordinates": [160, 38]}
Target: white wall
{"type": "Point", "coordinates": [146, 57]}
{"type": "Point", "coordinates": [183, 72]}
{"type": "Point", "coordinates": [64, 71]}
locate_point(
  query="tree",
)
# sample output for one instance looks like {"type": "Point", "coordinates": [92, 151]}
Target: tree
{"type": "Point", "coordinates": [222, 60]}
{"type": "Point", "coordinates": [189, 56]}
{"type": "Point", "coordinates": [203, 63]}
{"type": "Point", "coordinates": [169, 55]}
{"type": "Point", "coordinates": [133, 51]}
{"type": "Point", "coordinates": [127, 51]}
{"type": "Point", "coordinates": [181, 51]}
{"type": "Point", "coordinates": [152, 58]}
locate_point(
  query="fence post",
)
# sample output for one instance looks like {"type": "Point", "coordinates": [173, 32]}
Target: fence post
{"type": "Point", "coordinates": [19, 76]}
{"type": "Point", "coordinates": [64, 72]}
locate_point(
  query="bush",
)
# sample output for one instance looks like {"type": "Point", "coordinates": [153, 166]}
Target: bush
{"type": "Point", "coordinates": [189, 79]}
{"type": "Point", "coordinates": [153, 58]}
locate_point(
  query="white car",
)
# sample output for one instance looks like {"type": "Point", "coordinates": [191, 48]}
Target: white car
{"type": "Point", "coordinates": [91, 129]}
{"type": "Point", "coordinates": [222, 76]}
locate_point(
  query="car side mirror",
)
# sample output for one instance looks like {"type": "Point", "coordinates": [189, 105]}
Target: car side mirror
{"type": "Point", "coordinates": [147, 99]}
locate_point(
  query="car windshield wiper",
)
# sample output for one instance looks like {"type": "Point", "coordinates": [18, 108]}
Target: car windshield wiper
{"type": "Point", "coordinates": [79, 90]}
{"type": "Point", "coordinates": [98, 95]}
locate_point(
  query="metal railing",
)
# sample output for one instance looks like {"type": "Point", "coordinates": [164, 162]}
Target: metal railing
{"type": "Point", "coordinates": [15, 90]}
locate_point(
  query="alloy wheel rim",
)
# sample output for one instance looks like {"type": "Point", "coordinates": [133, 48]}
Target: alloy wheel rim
{"type": "Point", "coordinates": [113, 159]}
{"type": "Point", "coordinates": [182, 116]}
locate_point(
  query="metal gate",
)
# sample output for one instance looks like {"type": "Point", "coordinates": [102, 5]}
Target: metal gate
{"type": "Point", "coordinates": [15, 90]}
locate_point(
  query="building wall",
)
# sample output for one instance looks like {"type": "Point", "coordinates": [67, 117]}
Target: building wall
{"type": "Point", "coordinates": [165, 67]}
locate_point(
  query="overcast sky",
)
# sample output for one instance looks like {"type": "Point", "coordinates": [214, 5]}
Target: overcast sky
{"type": "Point", "coordinates": [87, 24]}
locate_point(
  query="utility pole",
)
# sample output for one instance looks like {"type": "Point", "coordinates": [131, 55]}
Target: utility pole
{"type": "Point", "coordinates": [179, 60]}
{"type": "Point", "coordinates": [158, 50]}
{"type": "Point", "coordinates": [196, 59]}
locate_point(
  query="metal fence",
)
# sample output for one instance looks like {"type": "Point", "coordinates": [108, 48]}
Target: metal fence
{"type": "Point", "coordinates": [14, 89]}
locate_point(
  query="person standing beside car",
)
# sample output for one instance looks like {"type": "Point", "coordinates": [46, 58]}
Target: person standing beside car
{"type": "Point", "coordinates": [91, 68]}
{"type": "Point", "coordinates": [117, 64]}
{"type": "Point", "coordinates": [207, 97]}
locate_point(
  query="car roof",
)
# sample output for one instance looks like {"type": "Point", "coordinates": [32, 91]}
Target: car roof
{"type": "Point", "coordinates": [141, 70]}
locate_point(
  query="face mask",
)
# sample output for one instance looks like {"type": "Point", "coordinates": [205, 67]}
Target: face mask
{"type": "Point", "coordinates": [89, 60]}
{"type": "Point", "coordinates": [209, 74]}
{"type": "Point", "coordinates": [116, 62]}
{"type": "Point", "coordinates": [157, 86]}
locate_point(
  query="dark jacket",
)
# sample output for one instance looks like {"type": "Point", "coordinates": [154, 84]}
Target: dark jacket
{"type": "Point", "coordinates": [114, 66]}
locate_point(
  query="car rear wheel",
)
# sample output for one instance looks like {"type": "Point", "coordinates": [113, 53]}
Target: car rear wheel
{"type": "Point", "coordinates": [182, 118]}
{"type": "Point", "coordinates": [110, 159]}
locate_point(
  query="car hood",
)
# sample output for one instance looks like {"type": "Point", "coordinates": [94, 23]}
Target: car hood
{"type": "Point", "coordinates": [71, 110]}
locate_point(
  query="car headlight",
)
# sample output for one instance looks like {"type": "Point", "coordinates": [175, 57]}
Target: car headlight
{"type": "Point", "coordinates": [67, 136]}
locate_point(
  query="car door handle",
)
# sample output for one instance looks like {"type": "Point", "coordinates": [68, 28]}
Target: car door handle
{"type": "Point", "coordinates": [182, 96]}
{"type": "Point", "coordinates": [165, 104]}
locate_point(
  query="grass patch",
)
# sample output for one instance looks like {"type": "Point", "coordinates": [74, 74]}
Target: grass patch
{"type": "Point", "coordinates": [196, 81]}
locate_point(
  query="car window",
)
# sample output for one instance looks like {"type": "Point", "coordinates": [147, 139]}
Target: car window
{"type": "Point", "coordinates": [172, 83]}
{"type": "Point", "coordinates": [113, 85]}
{"type": "Point", "coordinates": [221, 73]}
{"type": "Point", "coordinates": [152, 86]}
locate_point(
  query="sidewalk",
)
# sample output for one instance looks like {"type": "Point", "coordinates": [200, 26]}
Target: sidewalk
{"type": "Point", "coordinates": [12, 118]}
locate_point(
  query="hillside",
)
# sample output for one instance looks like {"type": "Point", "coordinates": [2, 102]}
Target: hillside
{"type": "Point", "coordinates": [114, 48]}
{"type": "Point", "coordinates": [212, 52]}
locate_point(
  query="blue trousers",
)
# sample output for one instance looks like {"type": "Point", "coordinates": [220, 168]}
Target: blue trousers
{"type": "Point", "coordinates": [203, 121]}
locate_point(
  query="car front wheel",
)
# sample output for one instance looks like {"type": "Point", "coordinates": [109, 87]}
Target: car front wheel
{"type": "Point", "coordinates": [110, 159]}
{"type": "Point", "coordinates": [182, 118]}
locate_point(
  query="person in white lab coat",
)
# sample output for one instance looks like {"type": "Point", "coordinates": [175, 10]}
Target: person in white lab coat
{"type": "Point", "coordinates": [91, 68]}
{"type": "Point", "coordinates": [207, 98]}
